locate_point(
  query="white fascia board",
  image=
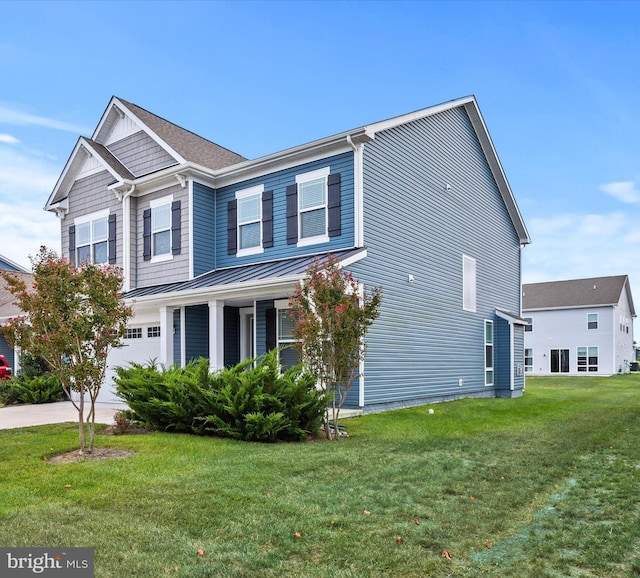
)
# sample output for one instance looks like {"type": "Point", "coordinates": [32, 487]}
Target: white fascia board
{"type": "Point", "coordinates": [511, 317]}
{"type": "Point", "coordinates": [480, 128]}
{"type": "Point", "coordinates": [289, 158]}
{"type": "Point", "coordinates": [230, 291]}
{"type": "Point", "coordinates": [377, 127]}
{"type": "Point", "coordinates": [66, 179]}
{"type": "Point", "coordinates": [594, 306]}
{"type": "Point", "coordinates": [123, 107]}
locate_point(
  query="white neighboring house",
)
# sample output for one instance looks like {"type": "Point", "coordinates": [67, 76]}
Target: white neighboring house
{"type": "Point", "coordinates": [579, 327]}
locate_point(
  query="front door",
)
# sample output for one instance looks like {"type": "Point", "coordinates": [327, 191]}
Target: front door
{"type": "Point", "coordinates": [559, 361]}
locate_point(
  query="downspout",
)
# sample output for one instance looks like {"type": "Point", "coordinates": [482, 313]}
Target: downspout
{"type": "Point", "coordinates": [126, 236]}
{"type": "Point", "coordinates": [358, 188]}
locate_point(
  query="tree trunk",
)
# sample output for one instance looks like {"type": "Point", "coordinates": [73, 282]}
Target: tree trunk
{"type": "Point", "coordinates": [81, 422]}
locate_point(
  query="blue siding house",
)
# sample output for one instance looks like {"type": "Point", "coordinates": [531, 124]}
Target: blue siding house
{"type": "Point", "coordinates": [212, 244]}
{"type": "Point", "coordinates": [7, 308]}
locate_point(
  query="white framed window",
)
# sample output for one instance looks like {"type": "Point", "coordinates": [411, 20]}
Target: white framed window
{"type": "Point", "coordinates": [249, 206]}
{"type": "Point", "coordinates": [529, 326]}
{"type": "Point", "coordinates": [468, 283]}
{"type": "Point", "coordinates": [161, 228]}
{"type": "Point", "coordinates": [92, 238]}
{"type": "Point", "coordinates": [488, 352]}
{"type": "Point", "coordinates": [592, 321]}
{"type": "Point", "coordinates": [133, 333]}
{"type": "Point", "coordinates": [312, 207]}
{"type": "Point", "coordinates": [284, 334]}
{"type": "Point", "coordinates": [587, 359]}
{"type": "Point", "coordinates": [528, 360]}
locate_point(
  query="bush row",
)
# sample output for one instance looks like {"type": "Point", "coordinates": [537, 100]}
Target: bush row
{"type": "Point", "coordinates": [246, 402]}
{"type": "Point", "coordinates": [37, 389]}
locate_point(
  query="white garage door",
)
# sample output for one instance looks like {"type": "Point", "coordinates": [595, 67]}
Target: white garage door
{"type": "Point", "coordinates": [140, 345]}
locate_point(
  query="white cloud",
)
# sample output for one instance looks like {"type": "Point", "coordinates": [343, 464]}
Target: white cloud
{"type": "Point", "coordinates": [624, 191]}
{"type": "Point", "coordinates": [13, 116]}
{"type": "Point", "coordinates": [574, 246]}
{"type": "Point", "coordinates": [22, 175]}
{"type": "Point", "coordinates": [8, 139]}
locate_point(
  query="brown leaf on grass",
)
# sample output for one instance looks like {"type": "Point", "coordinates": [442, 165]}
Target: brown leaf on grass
{"type": "Point", "coordinates": [298, 535]}
{"type": "Point", "coordinates": [416, 521]}
{"type": "Point", "coordinates": [446, 554]}
{"type": "Point", "coordinates": [487, 544]}
{"type": "Point", "coordinates": [366, 512]}
{"type": "Point", "coordinates": [67, 486]}
{"type": "Point", "coordinates": [201, 552]}
{"type": "Point", "coordinates": [472, 497]}
{"type": "Point", "coordinates": [398, 539]}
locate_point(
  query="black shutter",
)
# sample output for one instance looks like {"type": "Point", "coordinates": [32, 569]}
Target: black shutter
{"type": "Point", "coordinates": [146, 234]}
{"type": "Point", "coordinates": [267, 219]}
{"type": "Point", "coordinates": [72, 244]}
{"type": "Point", "coordinates": [272, 336]}
{"type": "Point", "coordinates": [176, 233]}
{"type": "Point", "coordinates": [231, 336]}
{"type": "Point", "coordinates": [292, 214]}
{"type": "Point", "coordinates": [232, 227]}
{"type": "Point", "coordinates": [112, 238]}
{"type": "Point", "coordinates": [333, 204]}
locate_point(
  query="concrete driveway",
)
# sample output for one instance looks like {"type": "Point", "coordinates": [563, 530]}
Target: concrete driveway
{"type": "Point", "coordinates": [16, 416]}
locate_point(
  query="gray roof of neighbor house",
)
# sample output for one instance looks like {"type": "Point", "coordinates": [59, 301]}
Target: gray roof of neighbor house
{"type": "Point", "coordinates": [7, 307]}
{"type": "Point", "coordinates": [187, 144]}
{"type": "Point", "coordinates": [594, 291]}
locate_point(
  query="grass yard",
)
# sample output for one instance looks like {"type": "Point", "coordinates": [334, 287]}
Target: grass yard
{"type": "Point", "coordinates": [546, 485]}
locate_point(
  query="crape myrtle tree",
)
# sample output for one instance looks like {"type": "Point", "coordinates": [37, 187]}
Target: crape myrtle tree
{"type": "Point", "coordinates": [72, 317]}
{"type": "Point", "coordinates": [331, 314]}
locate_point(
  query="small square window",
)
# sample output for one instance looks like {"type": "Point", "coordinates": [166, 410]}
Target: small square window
{"type": "Point", "coordinates": [133, 333]}
{"type": "Point", "coordinates": [592, 321]}
{"type": "Point", "coordinates": [153, 331]}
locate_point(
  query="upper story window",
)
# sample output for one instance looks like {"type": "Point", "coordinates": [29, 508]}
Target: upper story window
{"type": "Point", "coordinates": [529, 325]}
{"type": "Point", "coordinates": [314, 208]}
{"type": "Point", "coordinates": [468, 283]}
{"type": "Point", "coordinates": [592, 321]}
{"type": "Point", "coordinates": [249, 225]}
{"type": "Point", "coordinates": [161, 229]}
{"type": "Point", "coordinates": [92, 238]}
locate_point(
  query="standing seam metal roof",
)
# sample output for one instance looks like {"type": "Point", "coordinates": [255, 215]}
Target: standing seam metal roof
{"type": "Point", "coordinates": [256, 272]}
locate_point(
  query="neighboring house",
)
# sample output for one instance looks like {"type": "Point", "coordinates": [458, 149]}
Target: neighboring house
{"type": "Point", "coordinates": [7, 308]}
{"type": "Point", "coordinates": [212, 245]}
{"type": "Point", "coordinates": [579, 327]}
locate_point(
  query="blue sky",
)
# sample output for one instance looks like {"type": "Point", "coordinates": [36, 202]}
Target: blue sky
{"type": "Point", "coordinates": [558, 84]}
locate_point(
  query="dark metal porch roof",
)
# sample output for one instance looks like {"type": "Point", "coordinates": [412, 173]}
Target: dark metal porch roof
{"type": "Point", "coordinates": [248, 273]}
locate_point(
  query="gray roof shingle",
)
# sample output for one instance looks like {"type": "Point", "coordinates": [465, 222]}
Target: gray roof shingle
{"type": "Point", "coordinates": [187, 144]}
{"type": "Point", "coordinates": [593, 291]}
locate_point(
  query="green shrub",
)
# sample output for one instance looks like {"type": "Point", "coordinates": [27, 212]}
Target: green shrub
{"type": "Point", "coordinates": [40, 389]}
{"type": "Point", "coordinates": [242, 402]}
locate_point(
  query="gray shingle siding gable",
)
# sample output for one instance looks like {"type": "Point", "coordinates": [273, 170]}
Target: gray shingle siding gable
{"type": "Point", "coordinates": [423, 342]}
{"type": "Point", "coordinates": [176, 269]}
{"type": "Point", "coordinates": [90, 195]}
{"type": "Point", "coordinates": [141, 154]}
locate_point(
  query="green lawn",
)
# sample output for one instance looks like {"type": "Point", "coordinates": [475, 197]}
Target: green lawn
{"type": "Point", "coordinates": [545, 485]}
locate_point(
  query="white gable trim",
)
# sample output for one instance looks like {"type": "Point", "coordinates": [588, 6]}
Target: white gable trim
{"type": "Point", "coordinates": [115, 112]}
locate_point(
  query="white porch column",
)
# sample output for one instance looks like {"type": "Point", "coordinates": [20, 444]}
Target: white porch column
{"type": "Point", "coordinates": [166, 335]}
{"type": "Point", "coordinates": [216, 335]}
